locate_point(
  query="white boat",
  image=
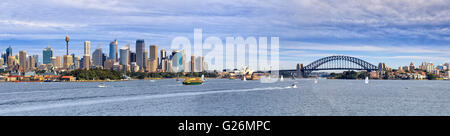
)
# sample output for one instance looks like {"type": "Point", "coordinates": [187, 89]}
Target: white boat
{"type": "Point", "coordinates": [367, 80]}
{"type": "Point", "coordinates": [152, 80]}
{"type": "Point", "coordinates": [294, 86]}
{"type": "Point", "coordinates": [203, 77]}
{"type": "Point", "coordinates": [101, 85]}
{"type": "Point", "coordinates": [245, 78]}
{"type": "Point", "coordinates": [316, 81]}
{"type": "Point", "coordinates": [281, 78]}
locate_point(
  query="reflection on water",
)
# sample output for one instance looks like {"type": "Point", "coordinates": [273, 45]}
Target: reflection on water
{"type": "Point", "coordinates": [227, 97]}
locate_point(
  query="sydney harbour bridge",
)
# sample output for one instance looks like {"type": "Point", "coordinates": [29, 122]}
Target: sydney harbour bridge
{"type": "Point", "coordinates": [337, 62]}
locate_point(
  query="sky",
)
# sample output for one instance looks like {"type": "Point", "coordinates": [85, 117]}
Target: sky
{"type": "Point", "coordinates": [395, 32]}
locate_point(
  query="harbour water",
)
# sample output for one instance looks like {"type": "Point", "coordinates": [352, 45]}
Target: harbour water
{"type": "Point", "coordinates": [227, 97]}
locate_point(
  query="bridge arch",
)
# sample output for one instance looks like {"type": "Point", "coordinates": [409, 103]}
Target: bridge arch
{"type": "Point", "coordinates": [338, 62]}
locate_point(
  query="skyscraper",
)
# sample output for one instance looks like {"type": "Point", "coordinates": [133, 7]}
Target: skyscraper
{"type": "Point", "coordinates": [163, 54]}
{"type": "Point", "coordinates": [193, 63]}
{"type": "Point", "coordinates": [59, 61]}
{"type": "Point", "coordinates": [68, 61]}
{"type": "Point", "coordinates": [177, 61]}
{"type": "Point", "coordinates": [23, 59]}
{"type": "Point", "coordinates": [113, 51]}
{"type": "Point", "coordinates": [140, 49]}
{"type": "Point", "coordinates": [86, 62]}
{"type": "Point", "coordinates": [87, 48]}
{"type": "Point", "coordinates": [36, 61]}
{"type": "Point", "coordinates": [132, 57]}
{"type": "Point", "coordinates": [125, 55]}
{"type": "Point", "coordinates": [153, 58]}
{"type": "Point", "coordinates": [31, 62]}
{"type": "Point", "coordinates": [97, 57]}
{"type": "Point", "coordinates": [8, 53]}
{"type": "Point", "coordinates": [47, 54]}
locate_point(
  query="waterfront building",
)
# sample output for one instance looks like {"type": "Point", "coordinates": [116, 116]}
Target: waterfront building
{"type": "Point", "coordinates": [47, 54]}
{"type": "Point", "coordinates": [97, 57]}
{"type": "Point", "coordinates": [113, 50]}
{"type": "Point", "coordinates": [154, 61]}
{"type": "Point", "coordinates": [199, 64]}
{"type": "Point", "coordinates": [68, 61]}
{"type": "Point", "coordinates": [134, 67]}
{"type": "Point", "coordinates": [125, 55]}
{"type": "Point", "coordinates": [109, 64]}
{"type": "Point", "coordinates": [140, 49]}
{"type": "Point", "coordinates": [146, 60]}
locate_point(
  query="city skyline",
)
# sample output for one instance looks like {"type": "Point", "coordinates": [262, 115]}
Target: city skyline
{"type": "Point", "coordinates": [393, 32]}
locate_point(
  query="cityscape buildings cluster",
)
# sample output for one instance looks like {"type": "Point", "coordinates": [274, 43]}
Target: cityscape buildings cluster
{"type": "Point", "coordinates": [118, 59]}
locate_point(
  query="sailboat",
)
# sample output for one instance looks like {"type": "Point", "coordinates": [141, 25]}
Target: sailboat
{"type": "Point", "coordinates": [367, 80]}
{"type": "Point", "coordinates": [203, 77]}
{"type": "Point", "coordinates": [245, 78]}
{"type": "Point", "coordinates": [281, 78]}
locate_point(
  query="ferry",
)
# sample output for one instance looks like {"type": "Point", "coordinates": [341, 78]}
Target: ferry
{"type": "Point", "coordinates": [193, 81]}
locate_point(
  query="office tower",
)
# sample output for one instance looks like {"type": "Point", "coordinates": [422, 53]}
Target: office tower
{"type": "Point", "coordinates": [125, 55]}
{"type": "Point", "coordinates": [104, 59]}
{"type": "Point", "coordinates": [11, 61]}
{"type": "Point", "coordinates": [411, 66]}
{"type": "Point", "coordinates": [140, 49]}
{"type": "Point", "coordinates": [178, 61]}
{"type": "Point", "coordinates": [59, 61]}
{"type": "Point", "coordinates": [47, 54]}
{"type": "Point", "coordinates": [1, 62]}
{"type": "Point", "coordinates": [132, 57]}
{"type": "Point", "coordinates": [199, 64]}
{"type": "Point", "coordinates": [86, 62]}
{"type": "Point", "coordinates": [76, 62]}
{"type": "Point", "coordinates": [164, 65]}
{"type": "Point", "coordinates": [113, 50]}
{"type": "Point", "coordinates": [97, 57]}
{"type": "Point", "coordinates": [87, 48]}
{"type": "Point", "coordinates": [8, 53]}
{"type": "Point", "coordinates": [30, 62]}
{"type": "Point", "coordinates": [146, 61]}
{"type": "Point", "coordinates": [4, 57]}
{"type": "Point", "coordinates": [36, 61]}
{"type": "Point", "coordinates": [193, 64]}
{"type": "Point", "coordinates": [54, 61]}
{"type": "Point", "coordinates": [109, 64]}
{"type": "Point", "coordinates": [23, 59]}
{"type": "Point", "coordinates": [163, 54]}
{"type": "Point", "coordinates": [154, 52]}
{"type": "Point", "coordinates": [68, 61]}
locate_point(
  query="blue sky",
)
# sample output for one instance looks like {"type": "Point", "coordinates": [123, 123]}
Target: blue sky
{"type": "Point", "coordinates": [395, 32]}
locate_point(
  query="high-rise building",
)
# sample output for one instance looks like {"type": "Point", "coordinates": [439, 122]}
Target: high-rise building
{"type": "Point", "coordinates": [76, 63]}
{"type": "Point", "coordinates": [177, 61]}
{"type": "Point", "coordinates": [59, 61]}
{"type": "Point", "coordinates": [1, 62]}
{"type": "Point", "coordinates": [146, 61]}
{"type": "Point", "coordinates": [140, 49]}
{"type": "Point", "coordinates": [109, 64]}
{"type": "Point", "coordinates": [36, 61]}
{"type": "Point", "coordinates": [68, 61]}
{"type": "Point", "coordinates": [154, 52]}
{"type": "Point", "coordinates": [132, 57]}
{"type": "Point", "coordinates": [113, 51]}
{"type": "Point", "coordinates": [97, 57]}
{"type": "Point", "coordinates": [411, 66]}
{"type": "Point", "coordinates": [54, 62]}
{"type": "Point", "coordinates": [87, 48]}
{"type": "Point", "coordinates": [47, 54]}
{"type": "Point", "coordinates": [31, 62]}
{"type": "Point", "coordinates": [125, 55]}
{"type": "Point", "coordinates": [8, 53]}
{"type": "Point", "coordinates": [199, 65]}
{"type": "Point", "coordinates": [193, 64]}
{"type": "Point", "coordinates": [11, 61]}
{"type": "Point", "coordinates": [86, 62]}
{"type": "Point", "coordinates": [23, 59]}
{"type": "Point", "coordinates": [163, 54]}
